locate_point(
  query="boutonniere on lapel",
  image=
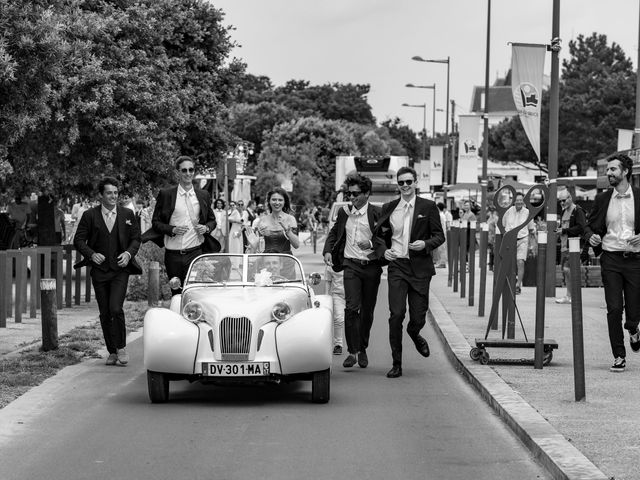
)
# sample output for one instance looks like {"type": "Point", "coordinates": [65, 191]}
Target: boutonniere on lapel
{"type": "Point", "coordinates": [127, 222]}
{"type": "Point", "coordinates": [420, 215]}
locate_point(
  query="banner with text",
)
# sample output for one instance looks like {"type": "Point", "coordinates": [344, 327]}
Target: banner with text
{"type": "Point", "coordinates": [469, 130]}
{"type": "Point", "coordinates": [436, 158]}
{"type": "Point", "coordinates": [527, 70]}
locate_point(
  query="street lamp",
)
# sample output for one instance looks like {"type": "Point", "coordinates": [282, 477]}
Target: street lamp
{"type": "Point", "coordinates": [424, 126]}
{"type": "Point", "coordinates": [448, 62]}
{"type": "Point", "coordinates": [432, 87]}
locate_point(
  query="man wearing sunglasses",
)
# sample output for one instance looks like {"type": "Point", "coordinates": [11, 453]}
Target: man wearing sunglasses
{"type": "Point", "coordinates": [182, 222]}
{"type": "Point", "coordinates": [410, 229]}
{"type": "Point", "coordinates": [350, 247]}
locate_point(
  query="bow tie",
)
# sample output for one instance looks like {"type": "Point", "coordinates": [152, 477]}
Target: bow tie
{"type": "Point", "coordinates": [623, 195]}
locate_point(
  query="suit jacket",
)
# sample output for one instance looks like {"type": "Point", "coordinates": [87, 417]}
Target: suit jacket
{"type": "Point", "coordinates": [166, 204]}
{"type": "Point", "coordinates": [425, 225]}
{"type": "Point", "coordinates": [598, 218]}
{"type": "Point", "coordinates": [337, 237]}
{"type": "Point", "coordinates": [92, 225]}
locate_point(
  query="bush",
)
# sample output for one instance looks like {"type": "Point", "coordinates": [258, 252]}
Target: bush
{"type": "Point", "coordinates": [139, 284]}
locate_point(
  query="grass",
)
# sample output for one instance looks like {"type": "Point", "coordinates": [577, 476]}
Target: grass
{"type": "Point", "coordinates": [32, 366]}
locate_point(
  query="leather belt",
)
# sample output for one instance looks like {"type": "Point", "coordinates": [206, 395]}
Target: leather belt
{"type": "Point", "coordinates": [624, 254]}
{"type": "Point", "coordinates": [359, 262]}
{"type": "Point", "coordinates": [185, 251]}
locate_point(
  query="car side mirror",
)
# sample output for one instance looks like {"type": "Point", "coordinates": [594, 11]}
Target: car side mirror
{"type": "Point", "coordinates": [315, 278]}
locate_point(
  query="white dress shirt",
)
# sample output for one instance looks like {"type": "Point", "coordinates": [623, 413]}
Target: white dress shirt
{"type": "Point", "coordinates": [401, 227]}
{"type": "Point", "coordinates": [181, 216]}
{"type": "Point", "coordinates": [357, 230]}
{"type": "Point", "coordinates": [620, 223]}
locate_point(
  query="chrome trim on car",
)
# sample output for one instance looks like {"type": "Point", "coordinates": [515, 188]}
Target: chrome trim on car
{"type": "Point", "coordinates": [235, 338]}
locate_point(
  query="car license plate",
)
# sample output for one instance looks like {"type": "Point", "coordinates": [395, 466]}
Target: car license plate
{"type": "Point", "coordinates": [236, 369]}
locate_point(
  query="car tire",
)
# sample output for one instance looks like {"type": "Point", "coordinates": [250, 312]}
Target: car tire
{"type": "Point", "coordinates": [320, 386]}
{"type": "Point", "coordinates": [158, 385]}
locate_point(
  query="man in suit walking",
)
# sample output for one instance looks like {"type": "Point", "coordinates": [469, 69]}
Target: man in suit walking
{"type": "Point", "coordinates": [613, 230]}
{"type": "Point", "coordinates": [182, 222]}
{"type": "Point", "coordinates": [350, 246]}
{"type": "Point", "coordinates": [410, 228]}
{"type": "Point", "coordinates": [108, 237]}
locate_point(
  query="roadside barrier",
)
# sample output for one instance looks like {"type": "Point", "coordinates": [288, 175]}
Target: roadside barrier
{"type": "Point", "coordinates": [576, 319]}
{"type": "Point", "coordinates": [21, 271]}
{"type": "Point", "coordinates": [472, 261]}
{"type": "Point", "coordinates": [49, 314]}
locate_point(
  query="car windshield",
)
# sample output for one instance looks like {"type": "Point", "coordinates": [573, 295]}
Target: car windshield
{"type": "Point", "coordinates": [257, 269]}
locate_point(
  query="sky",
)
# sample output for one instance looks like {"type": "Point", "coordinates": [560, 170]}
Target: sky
{"type": "Point", "coordinates": [372, 42]}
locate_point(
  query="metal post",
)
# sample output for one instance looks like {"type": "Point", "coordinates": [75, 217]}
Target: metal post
{"type": "Point", "coordinates": [49, 314]}
{"type": "Point", "coordinates": [455, 251]}
{"type": "Point", "coordinates": [496, 268]}
{"type": "Point", "coordinates": [154, 284]}
{"type": "Point", "coordinates": [576, 319]}
{"type": "Point", "coordinates": [484, 237]}
{"type": "Point", "coordinates": [3, 290]}
{"type": "Point", "coordinates": [472, 260]}
{"type": "Point", "coordinates": [636, 132]}
{"type": "Point", "coordinates": [225, 179]}
{"type": "Point", "coordinates": [433, 126]}
{"type": "Point", "coordinates": [464, 232]}
{"type": "Point", "coordinates": [538, 358]}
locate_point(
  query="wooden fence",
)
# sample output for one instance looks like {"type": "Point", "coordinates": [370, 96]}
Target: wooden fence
{"type": "Point", "coordinates": [20, 274]}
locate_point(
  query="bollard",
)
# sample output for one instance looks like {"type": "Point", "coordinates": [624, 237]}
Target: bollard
{"type": "Point", "coordinates": [68, 274]}
{"type": "Point", "coordinates": [449, 256]}
{"type": "Point", "coordinates": [576, 319]}
{"type": "Point", "coordinates": [21, 273]}
{"type": "Point", "coordinates": [484, 237]}
{"type": "Point", "coordinates": [49, 314]}
{"type": "Point", "coordinates": [541, 276]}
{"type": "Point", "coordinates": [472, 261]}
{"type": "Point", "coordinates": [3, 290]}
{"type": "Point", "coordinates": [496, 268]}
{"type": "Point", "coordinates": [462, 252]}
{"type": "Point", "coordinates": [154, 284]}
{"type": "Point", "coordinates": [455, 250]}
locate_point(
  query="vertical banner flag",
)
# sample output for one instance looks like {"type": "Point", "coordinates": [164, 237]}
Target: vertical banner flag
{"type": "Point", "coordinates": [436, 157]}
{"type": "Point", "coordinates": [469, 130]}
{"type": "Point", "coordinates": [527, 70]}
{"type": "Point", "coordinates": [423, 173]}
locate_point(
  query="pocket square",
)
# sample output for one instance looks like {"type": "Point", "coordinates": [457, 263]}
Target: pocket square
{"type": "Point", "coordinates": [128, 222]}
{"type": "Point", "coordinates": [421, 216]}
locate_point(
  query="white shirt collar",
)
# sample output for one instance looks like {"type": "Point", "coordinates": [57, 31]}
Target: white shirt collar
{"type": "Point", "coordinates": [182, 191]}
{"type": "Point", "coordinates": [360, 211]}
{"type": "Point", "coordinates": [106, 212]}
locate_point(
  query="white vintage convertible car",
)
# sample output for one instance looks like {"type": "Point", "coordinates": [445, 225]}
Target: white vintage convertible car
{"type": "Point", "coordinates": [241, 319]}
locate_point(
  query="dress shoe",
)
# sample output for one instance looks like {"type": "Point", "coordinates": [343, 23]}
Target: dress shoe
{"type": "Point", "coordinates": [422, 346]}
{"type": "Point", "coordinates": [112, 359]}
{"type": "Point", "coordinates": [395, 372]}
{"type": "Point", "coordinates": [363, 361]}
{"type": "Point", "coordinates": [634, 340]}
{"type": "Point", "coordinates": [123, 357]}
{"type": "Point", "coordinates": [337, 350]}
{"type": "Point", "coordinates": [350, 361]}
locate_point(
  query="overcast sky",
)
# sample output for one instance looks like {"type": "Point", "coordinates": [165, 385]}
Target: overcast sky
{"type": "Point", "coordinates": [372, 41]}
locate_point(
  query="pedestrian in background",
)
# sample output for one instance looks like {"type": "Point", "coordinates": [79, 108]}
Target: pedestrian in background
{"type": "Point", "coordinates": [410, 229]}
{"type": "Point", "coordinates": [572, 223]}
{"type": "Point", "coordinates": [182, 221]}
{"type": "Point", "coordinates": [334, 282]}
{"type": "Point", "coordinates": [492, 224]}
{"type": "Point", "coordinates": [516, 215]}
{"type": "Point", "coordinates": [108, 237]}
{"type": "Point", "coordinates": [613, 230]}
{"type": "Point", "coordinates": [440, 257]}
{"type": "Point", "coordinates": [350, 247]}
{"type": "Point", "coordinates": [220, 230]}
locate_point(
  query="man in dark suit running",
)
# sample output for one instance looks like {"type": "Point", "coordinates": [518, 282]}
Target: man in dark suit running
{"type": "Point", "coordinates": [108, 236]}
{"type": "Point", "coordinates": [613, 230]}
{"type": "Point", "coordinates": [350, 246]}
{"type": "Point", "coordinates": [410, 228]}
{"type": "Point", "coordinates": [184, 218]}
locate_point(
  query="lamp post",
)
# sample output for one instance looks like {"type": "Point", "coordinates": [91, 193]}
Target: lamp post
{"type": "Point", "coordinates": [446, 135]}
{"type": "Point", "coordinates": [431, 87]}
{"type": "Point", "coordinates": [424, 126]}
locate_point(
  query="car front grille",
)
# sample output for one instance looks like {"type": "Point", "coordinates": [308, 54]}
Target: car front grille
{"type": "Point", "coordinates": [235, 338]}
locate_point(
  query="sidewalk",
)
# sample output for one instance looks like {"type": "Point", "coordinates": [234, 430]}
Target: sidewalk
{"type": "Point", "coordinates": [17, 336]}
{"type": "Point", "coordinates": [539, 405]}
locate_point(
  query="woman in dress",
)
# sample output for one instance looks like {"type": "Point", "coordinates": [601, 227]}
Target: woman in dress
{"type": "Point", "coordinates": [220, 232]}
{"type": "Point", "coordinates": [235, 229]}
{"type": "Point", "coordinates": [279, 228]}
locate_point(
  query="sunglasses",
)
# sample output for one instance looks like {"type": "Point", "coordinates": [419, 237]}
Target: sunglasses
{"type": "Point", "coordinates": [187, 170]}
{"type": "Point", "coordinates": [352, 194]}
{"type": "Point", "coordinates": [405, 182]}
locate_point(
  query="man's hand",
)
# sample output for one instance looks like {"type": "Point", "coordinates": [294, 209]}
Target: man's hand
{"type": "Point", "coordinates": [200, 229]}
{"type": "Point", "coordinates": [181, 230]}
{"type": "Point", "coordinates": [595, 240]}
{"type": "Point", "coordinates": [390, 254]}
{"type": "Point", "coordinates": [634, 241]}
{"type": "Point", "coordinates": [328, 260]}
{"type": "Point", "coordinates": [97, 258]}
{"type": "Point", "coordinates": [364, 244]}
{"type": "Point", "coordinates": [123, 259]}
{"type": "Point", "coordinates": [417, 245]}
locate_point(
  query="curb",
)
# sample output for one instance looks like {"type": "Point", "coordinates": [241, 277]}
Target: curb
{"type": "Point", "coordinates": [561, 459]}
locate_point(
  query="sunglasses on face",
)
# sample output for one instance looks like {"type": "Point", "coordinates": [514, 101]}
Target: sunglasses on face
{"type": "Point", "coordinates": [405, 182]}
{"type": "Point", "coordinates": [187, 170]}
{"type": "Point", "coordinates": [352, 194]}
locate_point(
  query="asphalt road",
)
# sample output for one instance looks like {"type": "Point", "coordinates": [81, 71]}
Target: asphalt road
{"type": "Point", "coordinates": [95, 422]}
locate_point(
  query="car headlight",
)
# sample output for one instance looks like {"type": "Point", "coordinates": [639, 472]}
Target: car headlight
{"type": "Point", "coordinates": [280, 312]}
{"type": "Point", "coordinates": [175, 283]}
{"type": "Point", "coordinates": [192, 311]}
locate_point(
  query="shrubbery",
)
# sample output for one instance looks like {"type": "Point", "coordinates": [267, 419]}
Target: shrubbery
{"type": "Point", "coordinates": [139, 284]}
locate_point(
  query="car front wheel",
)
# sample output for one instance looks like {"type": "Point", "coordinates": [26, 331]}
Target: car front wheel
{"type": "Point", "coordinates": [320, 386]}
{"type": "Point", "coordinates": [158, 385]}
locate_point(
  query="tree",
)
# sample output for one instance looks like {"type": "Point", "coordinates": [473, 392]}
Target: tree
{"type": "Point", "coordinates": [406, 137]}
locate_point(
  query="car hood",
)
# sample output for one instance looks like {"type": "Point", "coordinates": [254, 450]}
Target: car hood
{"type": "Point", "coordinates": [252, 302]}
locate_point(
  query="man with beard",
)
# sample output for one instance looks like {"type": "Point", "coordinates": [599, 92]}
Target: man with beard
{"type": "Point", "coordinates": [350, 246]}
{"type": "Point", "coordinates": [613, 231]}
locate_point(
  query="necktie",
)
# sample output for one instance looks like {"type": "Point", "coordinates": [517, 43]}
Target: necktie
{"type": "Point", "coordinates": [406, 228]}
{"type": "Point", "coordinates": [110, 220]}
{"type": "Point", "coordinates": [190, 211]}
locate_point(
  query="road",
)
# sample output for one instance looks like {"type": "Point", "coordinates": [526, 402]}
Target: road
{"type": "Point", "coordinates": [95, 422]}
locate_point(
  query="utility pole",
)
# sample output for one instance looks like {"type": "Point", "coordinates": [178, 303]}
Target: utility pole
{"type": "Point", "coordinates": [636, 131]}
{"type": "Point", "coordinates": [452, 168]}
